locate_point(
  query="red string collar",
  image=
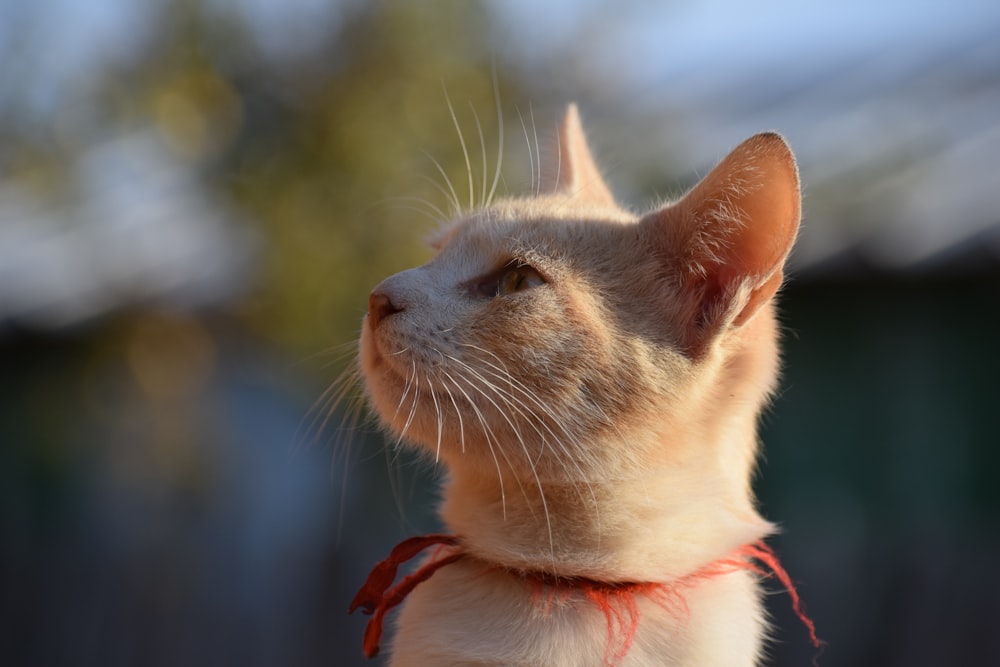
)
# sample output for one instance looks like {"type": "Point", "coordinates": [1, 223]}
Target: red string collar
{"type": "Point", "coordinates": [617, 600]}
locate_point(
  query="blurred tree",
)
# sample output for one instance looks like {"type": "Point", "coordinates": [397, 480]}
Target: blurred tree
{"type": "Point", "coordinates": [326, 149]}
{"type": "Point", "coordinates": [329, 148]}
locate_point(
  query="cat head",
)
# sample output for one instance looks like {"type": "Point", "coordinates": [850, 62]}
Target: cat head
{"type": "Point", "coordinates": [561, 338]}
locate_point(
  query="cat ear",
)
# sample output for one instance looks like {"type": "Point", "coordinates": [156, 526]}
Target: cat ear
{"type": "Point", "coordinates": [571, 170]}
{"type": "Point", "coordinates": [731, 235]}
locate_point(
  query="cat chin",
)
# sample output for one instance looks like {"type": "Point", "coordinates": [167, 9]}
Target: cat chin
{"type": "Point", "coordinates": [385, 378]}
{"type": "Point", "coordinates": [410, 415]}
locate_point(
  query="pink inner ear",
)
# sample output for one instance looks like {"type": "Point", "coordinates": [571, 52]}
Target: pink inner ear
{"type": "Point", "coordinates": [770, 217]}
{"type": "Point", "coordinates": [739, 224]}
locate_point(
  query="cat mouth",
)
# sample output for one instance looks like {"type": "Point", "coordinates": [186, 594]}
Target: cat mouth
{"type": "Point", "coordinates": [392, 362]}
{"type": "Point", "coordinates": [373, 355]}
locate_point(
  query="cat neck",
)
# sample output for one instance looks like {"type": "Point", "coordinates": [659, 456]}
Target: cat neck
{"type": "Point", "coordinates": [657, 522]}
{"type": "Point", "coordinates": [653, 527]}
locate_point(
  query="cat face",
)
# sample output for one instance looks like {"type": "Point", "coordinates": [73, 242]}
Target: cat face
{"type": "Point", "coordinates": [504, 348]}
{"type": "Point", "coordinates": [561, 338]}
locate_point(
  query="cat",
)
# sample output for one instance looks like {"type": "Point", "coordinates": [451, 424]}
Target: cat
{"type": "Point", "coordinates": [590, 379]}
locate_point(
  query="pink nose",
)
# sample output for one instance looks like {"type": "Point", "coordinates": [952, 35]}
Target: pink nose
{"type": "Point", "coordinates": [380, 306]}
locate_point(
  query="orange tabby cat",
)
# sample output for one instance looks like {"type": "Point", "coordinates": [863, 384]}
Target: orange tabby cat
{"type": "Point", "coordinates": [591, 380]}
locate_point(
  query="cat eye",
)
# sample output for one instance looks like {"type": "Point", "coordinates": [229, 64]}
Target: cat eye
{"type": "Point", "coordinates": [518, 279]}
{"type": "Point", "coordinates": [511, 278]}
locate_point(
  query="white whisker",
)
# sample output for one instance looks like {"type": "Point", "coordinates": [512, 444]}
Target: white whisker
{"type": "Point", "coordinates": [574, 464]}
{"type": "Point", "coordinates": [451, 188]}
{"type": "Point", "coordinates": [449, 196]}
{"type": "Point", "coordinates": [461, 140]}
{"type": "Point", "coordinates": [461, 424]}
{"type": "Point", "coordinates": [524, 447]}
{"type": "Point", "coordinates": [538, 155]}
{"type": "Point", "coordinates": [482, 151]}
{"type": "Point", "coordinates": [421, 211]}
{"type": "Point", "coordinates": [531, 154]}
{"type": "Point", "coordinates": [558, 158]}
{"type": "Point", "coordinates": [496, 175]}
{"type": "Point", "coordinates": [427, 208]}
{"type": "Point", "coordinates": [413, 407]}
{"type": "Point", "coordinates": [440, 419]}
{"type": "Point", "coordinates": [490, 438]}
{"type": "Point", "coordinates": [402, 398]}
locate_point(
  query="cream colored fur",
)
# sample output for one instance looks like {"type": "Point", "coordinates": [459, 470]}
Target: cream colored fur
{"type": "Point", "coordinates": [602, 424]}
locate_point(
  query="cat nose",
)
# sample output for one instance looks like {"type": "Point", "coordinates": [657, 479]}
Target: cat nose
{"type": "Point", "coordinates": [380, 306]}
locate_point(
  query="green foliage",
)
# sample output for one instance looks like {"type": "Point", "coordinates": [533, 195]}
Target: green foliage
{"type": "Point", "coordinates": [328, 150]}
{"type": "Point", "coordinates": [327, 153]}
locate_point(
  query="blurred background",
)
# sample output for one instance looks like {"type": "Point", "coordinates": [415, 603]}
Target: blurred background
{"type": "Point", "coordinates": [197, 196]}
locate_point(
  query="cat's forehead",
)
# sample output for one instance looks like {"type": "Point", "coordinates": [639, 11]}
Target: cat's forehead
{"type": "Point", "coordinates": [537, 225]}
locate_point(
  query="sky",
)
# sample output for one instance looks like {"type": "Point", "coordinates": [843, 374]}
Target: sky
{"type": "Point", "coordinates": [642, 44]}
{"type": "Point", "coordinates": [853, 84]}
{"type": "Point", "coordinates": [644, 40]}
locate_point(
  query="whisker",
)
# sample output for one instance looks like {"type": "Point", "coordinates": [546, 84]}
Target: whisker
{"type": "Point", "coordinates": [423, 212]}
{"type": "Point", "coordinates": [336, 353]}
{"type": "Point", "coordinates": [461, 140]}
{"type": "Point", "coordinates": [406, 391]}
{"type": "Point", "coordinates": [461, 425]}
{"type": "Point", "coordinates": [394, 453]}
{"type": "Point", "coordinates": [348, 390]}
{"type": "Point", "coordinates": [354, 412]}
{"type": "Point", "coordinates": [527, 140]}
{"type": "Point", "coordinates": [429, 209]}
{"type": "Point", "coordinates": [524, 448]}
{"type": "Point", "coordinates": [538, 155]}
{"type": "Point", "coordinates": [346, 381]}
{"type": "Point", "coordinates": [449, 196]}
{"type": "Point", "coordinates": [496, 175]}
{"type": "Point", "coordinates": [558, 158]}
{"type": "Point", "coordinates": [341, 397]}
{"type": "Point", "coordinates": [440, 419]}
{"type": "Point", "coordinates": [413, 407]}
{"type": "Point", "coordinates": [574, 466]}
{"type": "Point", "coordinates": [490, 438]}
{"type": "Point", "coordinates": [482, 150]}
{"type": "Point", "coordinates": [567, 459]}
{"type": "Point", "coordinates": [451, 188]}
